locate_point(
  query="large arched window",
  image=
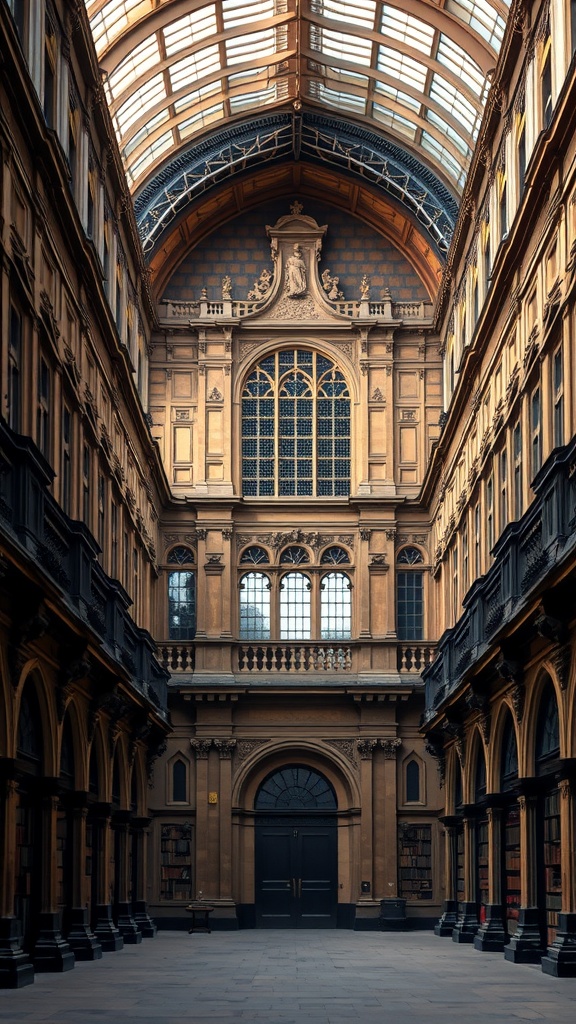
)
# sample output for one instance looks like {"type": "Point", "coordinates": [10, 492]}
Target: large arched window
{"type": "Point", "coordinates": [296, 427]}
{"type": "Point", "coordinates": [335, 607]}
{"type": "Point", "coordinates": [181, 595]}
{"type": "Point", "coordinates": [409, 595]}
{"type": "Point", "coordinates": [254, 606]}
{"type": "Point", "coordinates": [547, 730]}
{"type": "Point", "coordinates": [295, 788]}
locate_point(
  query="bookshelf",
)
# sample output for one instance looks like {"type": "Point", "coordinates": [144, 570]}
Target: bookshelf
{"type": "Point", "coordinates": [415, 861]}
{"type": "Point", "coordinates": [551, 863]}
{"type": "Point", "coordinates": [512, 868]}
{"type": "Point", "coordinates": [175, 863]}
{"type": "Point", "coordinates": [482, 867]}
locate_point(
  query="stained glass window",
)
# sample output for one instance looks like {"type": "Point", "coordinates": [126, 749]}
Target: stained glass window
{"type": "Point", "coordinates": [295, 607]}
{"type": "Point", "coordinates": [335, 607]}
{"type": "Point", "coordinates": [254, 607]}
{"type": "Point", "coordinates": [296, 427]}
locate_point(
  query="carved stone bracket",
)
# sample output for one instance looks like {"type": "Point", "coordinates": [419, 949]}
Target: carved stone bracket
{"type": "Point", "coordinates": [436, 750]}
{"type": "Point", "coordinates": [518, 695]}
{"type": "Point", "coordinates": [562, 662]}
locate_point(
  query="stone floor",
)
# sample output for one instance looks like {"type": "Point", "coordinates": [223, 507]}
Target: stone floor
{"type": "Point", "coordinates": [289, 977]}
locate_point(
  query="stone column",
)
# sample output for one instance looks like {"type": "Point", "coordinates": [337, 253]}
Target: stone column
{"type": "Point", "coordinates": [467, 924]}
{"type": "Point", "coordinates": [125, 922]}
{"type": "Point", "coordinates": [560, 960]}
{"type": "Point", "coordinates": [366, 905]}
{"type": "Point", "coordinates": [105, 931]}
{"type": "Point", "coordinates": [16, 971]}
{"type": "Point", "coordinates": [140, 836]}
{"type": "Point", "coordinates": [388, 802]}
{"type": "Point", "coordinates": [81, 938]}
{"type": "Point", "coordinates": [525, 947]}
{"type": "Point", "coordinates": [492, 936]}
{"type": "Point", "coordinates": [447, 922]}
{"type": "Point", "coordinates": [201, 747]}
{"type": "Point", "coordinates": [227, 908]}
{"type": "Point", "coordinates": [51, 952]}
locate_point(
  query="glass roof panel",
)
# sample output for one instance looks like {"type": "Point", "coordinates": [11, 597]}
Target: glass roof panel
{"type": "Point", "coordinates": [341, 45]}
{"type": "Point", "coordinates": [188, 71]}
{"type": "Point", "coordinates": [406, 29]}
{"type": "Point", "coordinates": [192, 28]}
{"type": "Point", "coordinates": [353, 12]}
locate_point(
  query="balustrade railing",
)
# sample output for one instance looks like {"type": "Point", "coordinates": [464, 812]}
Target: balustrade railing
{"type": "Point", "coordinates": [177, 657]}
{"type": "Point", "coordinates": [415, 657]}
{"type": "Point", "coordinates": [294, 658]}
{"type": "Point", "coordinates": [238, 309]}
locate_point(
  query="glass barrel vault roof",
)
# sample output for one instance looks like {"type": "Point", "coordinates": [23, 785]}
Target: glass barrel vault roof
{"type": "Point", "coordinates": [174, 69]}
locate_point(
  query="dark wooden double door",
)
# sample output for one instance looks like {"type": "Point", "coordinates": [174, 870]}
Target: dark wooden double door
{"type": "Point", "coordinates": [296, 872]}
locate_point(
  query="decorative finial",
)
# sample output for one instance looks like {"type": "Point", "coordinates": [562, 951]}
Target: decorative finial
{"type": "Point", "coordinates": [296, 208]}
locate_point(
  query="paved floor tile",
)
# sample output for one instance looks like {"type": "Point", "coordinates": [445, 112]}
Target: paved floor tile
{"type": "Point", "coordinates": [282, 977]}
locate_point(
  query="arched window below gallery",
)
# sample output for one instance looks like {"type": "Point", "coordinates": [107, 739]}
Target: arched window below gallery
{"type": "Point", "coordinates": [549, 854]}
{"type": "Point", "coordinates": [254, 606]}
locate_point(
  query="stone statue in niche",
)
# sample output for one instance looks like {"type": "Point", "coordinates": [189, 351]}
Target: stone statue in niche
{"type": "Point", "coordinates": [296, 274]}
{"type": "Point", "coordinates": [330, 285]}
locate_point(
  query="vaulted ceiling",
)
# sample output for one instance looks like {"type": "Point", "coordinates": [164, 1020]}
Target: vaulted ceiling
{"type": "Point", "coordinates": [392, 95]}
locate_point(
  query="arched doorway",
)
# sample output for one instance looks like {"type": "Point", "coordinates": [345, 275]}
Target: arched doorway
{"type": "Point", "coordinates": [296, 850]}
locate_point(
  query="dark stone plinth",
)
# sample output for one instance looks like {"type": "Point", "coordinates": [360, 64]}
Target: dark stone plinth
{"type": "Point", "coordinates": [127, 925]}
{"type": "Point", "coordinates": [146, 925]}
{"type": "Point", "coordinates": [525, 947]}
{"type": "Point", "coordinates": [16, 971]}
{"type": "Point", "coordinates": [81, 938]}
{"type": "Point", "coordinates": [491, 936]}
{"type": "Point", "coordinates": [106, 931]}
{"type": "Point", "coordinates": [467, 924]}
{"type": "Point", "coordinates": [560, 960]}
{"type": "Point", "coordinates": [52, 954]}
{"type": "Point", "coordinates": [447, 922]}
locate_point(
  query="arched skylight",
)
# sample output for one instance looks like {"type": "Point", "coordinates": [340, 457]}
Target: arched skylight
{"type": "Point", "coordinates": [175, 68]}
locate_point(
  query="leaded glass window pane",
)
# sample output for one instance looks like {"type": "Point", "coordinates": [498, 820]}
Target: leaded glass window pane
{"type": "Point", "coordinates": [548, 730]}
{"type": "Point", "coordinates": [295, 787]}
{"type": "Point", "coordinates": [294, 556]}
{"type": "Point", "coordinates": [335, 556]}
{"type": "Point", "coordinates": [296, 427]}
{"type": "Point", "coordinates": [410, 605]}
{"type": "Point", "coordinates": [295, 609]}
{"type": "Point", "coordinates": [254, 555]}
{"type": "Point", "coordinates": [335, 607]}
{"type": "Point", "coordinates": [181, 556]}
{"type": "Point", "coordinates": [409, 556]}
{"type": "Point", "coordinates": [181, 605]}
{"type": "Point", "coordinates": [255, 607]}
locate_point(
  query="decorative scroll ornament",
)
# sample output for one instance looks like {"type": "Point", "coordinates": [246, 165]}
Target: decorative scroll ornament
{"type": "Point", "coordinates": [246, 747]}
{"type": "Point", "coordinates": [330, 286]}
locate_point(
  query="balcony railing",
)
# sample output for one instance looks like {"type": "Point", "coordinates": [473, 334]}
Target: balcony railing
{"type": "Point", "coordinates": [321, 658]}
{"type": "Point", "coordinates": [526, 553]}
{"type": "Point", "coordinates": [415, 657]}
{"type": "Point", "coordinates": [66, 552]}
{"type": "Point", "coordinates": [294, 658]}
{"type": "Point", "coordinates": [239, 309]}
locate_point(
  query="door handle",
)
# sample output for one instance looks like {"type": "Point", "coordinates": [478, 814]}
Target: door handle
{"type": "Point", "coordinates": [294, 888]}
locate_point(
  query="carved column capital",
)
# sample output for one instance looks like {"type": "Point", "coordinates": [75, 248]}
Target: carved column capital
{"type": "Point", "coordinates": [225, 748]}
{"type": "Point", "coordinates": [366, 748]}
{"type": "Point", "coordinates": [391, 747]}
{"type": "Point", "coordinates": [201, 748]}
